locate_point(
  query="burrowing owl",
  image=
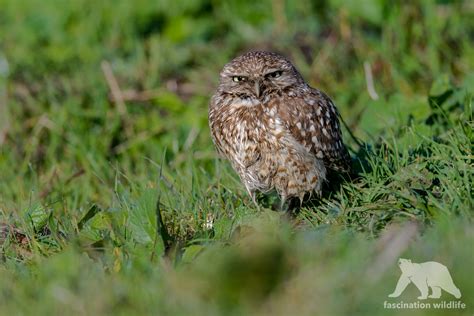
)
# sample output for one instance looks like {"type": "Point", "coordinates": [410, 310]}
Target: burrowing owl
{"type": "Point", "coordinates": [277, 131]}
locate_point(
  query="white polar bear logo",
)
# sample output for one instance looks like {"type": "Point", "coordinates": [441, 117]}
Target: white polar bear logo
{"type": "Point", "coordinates": [423, 275]}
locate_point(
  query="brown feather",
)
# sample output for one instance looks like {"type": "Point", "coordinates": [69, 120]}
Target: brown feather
{"type": "Point", "coordinates": [277, 132]}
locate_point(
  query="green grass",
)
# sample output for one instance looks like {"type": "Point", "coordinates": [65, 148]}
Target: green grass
{"type": "Point", "coordinates": [111, 208]}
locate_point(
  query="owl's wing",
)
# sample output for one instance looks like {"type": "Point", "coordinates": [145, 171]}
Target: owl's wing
{"type": "Point", "coordinates": [313, 121]}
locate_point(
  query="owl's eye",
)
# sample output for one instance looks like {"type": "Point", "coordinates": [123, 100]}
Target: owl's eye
{"type": "Point", "coordinates": [274, 74]}
{"type": "Point", "coordinates": [239, 78]}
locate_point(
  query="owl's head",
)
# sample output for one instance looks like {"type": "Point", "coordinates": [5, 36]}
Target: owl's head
{"type": "Point", "coordinates": [257, 74]}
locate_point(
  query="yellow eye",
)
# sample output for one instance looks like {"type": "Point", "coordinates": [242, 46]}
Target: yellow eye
{"type": "Point", "coordinates": [239, 78]}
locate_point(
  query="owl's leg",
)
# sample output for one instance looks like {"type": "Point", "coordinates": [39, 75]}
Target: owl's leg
{"type": "Point", "coordinates": [301, 198]}
{"type": "Point", "coordinates": [253, 195]}
{"type": "Point", "coordinates": [282, 202]}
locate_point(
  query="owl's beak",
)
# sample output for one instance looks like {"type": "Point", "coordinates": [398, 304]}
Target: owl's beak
{"type": "Point", "coordinates": [258, 91]}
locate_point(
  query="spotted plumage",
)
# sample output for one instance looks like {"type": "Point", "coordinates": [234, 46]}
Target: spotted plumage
{"type": "Point", "coordinates": [277, 131]}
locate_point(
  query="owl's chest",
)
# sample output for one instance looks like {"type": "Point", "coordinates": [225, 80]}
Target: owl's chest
{"type": "Point", "coordinates": [255, 129]}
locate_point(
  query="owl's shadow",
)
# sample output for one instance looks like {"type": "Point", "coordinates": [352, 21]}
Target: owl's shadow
{"type": "Point", "coordinates": [333, 184]}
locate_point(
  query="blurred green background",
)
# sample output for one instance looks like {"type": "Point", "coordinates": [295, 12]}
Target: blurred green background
{"type": "Point", "coordinates": [112, 199]}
